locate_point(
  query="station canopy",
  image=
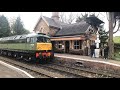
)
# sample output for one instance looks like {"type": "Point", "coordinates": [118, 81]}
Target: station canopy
{"type": "Point", "coordinates": [94, 21]}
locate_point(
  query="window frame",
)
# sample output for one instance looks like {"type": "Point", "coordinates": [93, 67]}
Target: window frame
{"type": "Point", "coordinates": [60, 43]}
{"type": "Point", "coordinates": [77, 44]}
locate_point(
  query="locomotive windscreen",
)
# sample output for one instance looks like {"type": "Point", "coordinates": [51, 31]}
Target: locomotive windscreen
{"type": "Point", "coordinates": [43, 39]}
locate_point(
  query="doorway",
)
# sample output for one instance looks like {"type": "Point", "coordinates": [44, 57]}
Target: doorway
{"type": "Point", "coordinates": [67, 46]}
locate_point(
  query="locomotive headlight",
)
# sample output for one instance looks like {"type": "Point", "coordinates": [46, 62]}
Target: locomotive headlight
{"type": "Point", "coordinates": [40, 53]}
{"type": "Point", "coordinates": [48, 53]}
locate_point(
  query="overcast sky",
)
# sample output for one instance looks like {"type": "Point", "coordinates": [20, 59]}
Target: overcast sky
{"type": "Point", "coordinates": [30, 19]}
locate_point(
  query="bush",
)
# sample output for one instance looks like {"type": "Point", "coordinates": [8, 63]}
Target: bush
{"type": "Point", "coordinates": [117, 56]}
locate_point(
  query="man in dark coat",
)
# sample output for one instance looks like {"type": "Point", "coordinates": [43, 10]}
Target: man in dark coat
{"type": "Point", "coordinates": [106, 50]}
{"type": "Point", "coordinates": [92, 50]}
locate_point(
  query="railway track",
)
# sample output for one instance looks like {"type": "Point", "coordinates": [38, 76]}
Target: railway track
{"type": "Point", "coordinates": [53, 70]}
{"type": "Point", "coordinates": [42, 69]}
{"type": "Point", "coordinates": [75, 72]}
{"type": "Point", "coordinates": [30, 68]}
{"type": "Point", "coordinates": [89, 72]}
{"type": "Point", "coordinates": [61, 70]}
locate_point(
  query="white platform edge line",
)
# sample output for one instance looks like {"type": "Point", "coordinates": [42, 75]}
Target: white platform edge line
{"type": "Point", "coordinates": [90, 60]}
{"type": "Point", "coordinates": [12, 67]}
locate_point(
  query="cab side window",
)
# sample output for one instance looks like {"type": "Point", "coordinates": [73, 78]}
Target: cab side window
{"type": "Point", "coordinates": [28, 40]}
{"type": "Point", "coordinates": [31, 40]}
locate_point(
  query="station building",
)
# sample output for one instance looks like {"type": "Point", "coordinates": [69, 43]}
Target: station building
{"type": "Point", "coordinates": [73, 38]}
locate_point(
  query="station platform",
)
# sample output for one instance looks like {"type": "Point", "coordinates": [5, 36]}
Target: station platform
{"type": "Point", "coordinates": [112, 66]}
{"type": "Point", "coordinates": [87, 58]}
{"type": "Point", "coordinates": [9, 71]}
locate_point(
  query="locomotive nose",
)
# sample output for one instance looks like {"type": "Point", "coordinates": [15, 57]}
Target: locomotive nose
{"type": "Point", "coordinates": [44, 46]}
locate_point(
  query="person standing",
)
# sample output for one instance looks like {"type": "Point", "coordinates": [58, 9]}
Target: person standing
{"type": "Point", "coordinates": [92, 50]}
{"type": "Point", "coordinates": [106, 50]}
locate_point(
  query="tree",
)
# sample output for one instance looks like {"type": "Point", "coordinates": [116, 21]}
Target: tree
{"type": "Point", "coordinates": [113, 21]}
{"type": "Point", "coordinates": [81, 18]}
{"type": "Point", "coordinates": [63, 17]}
{"type": "Point", "coordinates": [4, 27]}
{"type": "Point", "coordinates": [17, 27]}
{"type": "Point", "coordinates": [103, 35]}
{"type": "Point", "coordinates": [26, 31]}
{"type": "Point", "coordinates": [67, 19]}
{"type": "Point", "coordinates": [84, 16]}
{"type": "Point", "coordinates": [71, 18]}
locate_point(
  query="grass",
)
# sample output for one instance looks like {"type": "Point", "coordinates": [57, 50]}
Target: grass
{"type": "Point", "coordinates": [116, 39]}
{"type": "Point", "coordinates": [117, 56]}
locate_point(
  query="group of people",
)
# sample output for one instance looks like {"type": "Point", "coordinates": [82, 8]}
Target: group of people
{"type": "Point", "coordinates": [103, 52]}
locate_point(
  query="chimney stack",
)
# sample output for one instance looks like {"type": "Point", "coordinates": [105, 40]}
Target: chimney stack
{"type": "Point", "coordinates": [55, 16]}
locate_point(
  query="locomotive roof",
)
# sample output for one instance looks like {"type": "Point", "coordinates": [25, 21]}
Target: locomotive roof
{"type": "Point", "coordinates": [22, 36]}
{"type": "Point", "coordinates": [36, 34]}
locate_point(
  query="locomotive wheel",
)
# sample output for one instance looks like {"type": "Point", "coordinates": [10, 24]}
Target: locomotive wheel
{"type": "Point", "coordinates": [0, 52]}
{"type": "Point", "coordinates": [28, 59]}
{"type": "Point", "coordinates": [9, 54]}
{"type": "Point", "coordinates": [15, 55]}
{"type": "Point", "coordinates": [21, 57]}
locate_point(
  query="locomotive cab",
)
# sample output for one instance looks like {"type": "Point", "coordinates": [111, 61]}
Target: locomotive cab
{"type": "Point", "coordinates": [44, 48]}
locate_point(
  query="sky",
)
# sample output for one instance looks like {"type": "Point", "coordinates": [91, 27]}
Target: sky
{"type": "Point", "coordinates": [30, 19]}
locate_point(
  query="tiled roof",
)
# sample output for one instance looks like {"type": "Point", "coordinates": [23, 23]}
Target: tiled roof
{"type": "Point", "coordinates": [54, 23]}
{"type": "Point", "coordinates": [67, 29]}
{"type": "Point", "coordinates": [51, 22]}
{"type": "Point", "coordinates": [73, 29]}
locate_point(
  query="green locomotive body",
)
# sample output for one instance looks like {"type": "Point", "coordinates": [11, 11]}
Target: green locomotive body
{"type": "Point", "coordinates": [30, 46]}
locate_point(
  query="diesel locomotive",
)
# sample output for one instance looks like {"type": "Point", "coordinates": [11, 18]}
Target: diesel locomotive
{"type": "Point", "coordinates": [30, 47]}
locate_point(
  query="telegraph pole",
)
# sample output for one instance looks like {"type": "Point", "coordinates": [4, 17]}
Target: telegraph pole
{"type": "Point", "coordinates": [110, 41]}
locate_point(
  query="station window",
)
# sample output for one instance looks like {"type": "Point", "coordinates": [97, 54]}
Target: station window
{"type": "Point", "coordinates": [41, 29]}
{"type": "Point", "coordinates": [60, 44]}
{"type": "Point", "coordinates": [77, 44]}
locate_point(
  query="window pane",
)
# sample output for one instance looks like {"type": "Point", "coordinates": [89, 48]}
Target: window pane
{"type": "Point", "coordinates": [28, 40]}
{"type": "Point", "coordinates": [77, 47]}
{"type": "Point", "coordinates": [77, 42]}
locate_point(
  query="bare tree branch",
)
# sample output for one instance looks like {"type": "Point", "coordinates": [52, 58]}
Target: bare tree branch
{"type": "Point", "coordinates": [118, 27]}
{"type": "Point", "coordinates": [83, 15]}
{"type": "Point", "coordinates": [106, 16]}
{"type": "Point", "coordinates": [62, 17]}
{"type": "Point", "coordinates": [71, 18]}
{"type": "Point", "coordinates": [97, 15]}
{"type": "Point", "coordinates": [114, 23]}
{"type": "Point", "coordinates": [68, 19]}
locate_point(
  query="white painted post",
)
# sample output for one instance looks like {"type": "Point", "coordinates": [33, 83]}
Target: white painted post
{"type": "Point", "coordinates": [97, 50]}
